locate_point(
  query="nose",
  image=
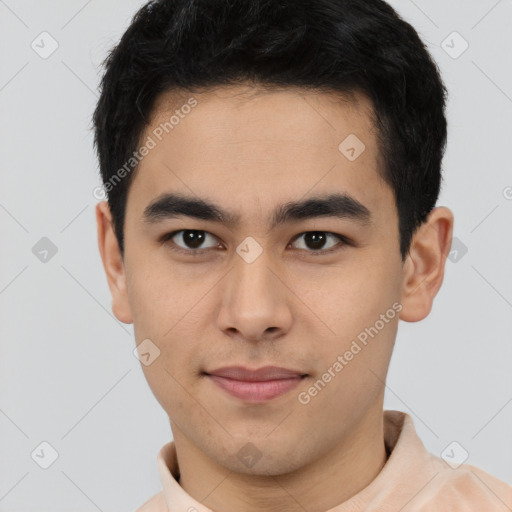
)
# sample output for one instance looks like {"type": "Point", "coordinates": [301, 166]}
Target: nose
{"type": "Point", "coordinates": [255, 301]}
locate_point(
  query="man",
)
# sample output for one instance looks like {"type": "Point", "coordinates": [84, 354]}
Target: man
{"type": "Point", "coordinates": [272, 171]}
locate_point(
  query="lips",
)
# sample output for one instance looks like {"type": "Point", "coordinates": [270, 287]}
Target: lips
{"type": "Point", "coordinates": [256, 386]}
{"type": "Point", "coordinates": [258, 375]}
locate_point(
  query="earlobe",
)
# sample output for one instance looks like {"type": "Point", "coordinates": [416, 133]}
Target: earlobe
{"type": "Point", "coordinates": [112, 263]}
{"type": "Point", "coordinates": [423, 270]}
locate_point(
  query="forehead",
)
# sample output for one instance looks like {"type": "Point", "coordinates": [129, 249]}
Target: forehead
{"type": "Point", "coordinates": [250, 148]}
{"type": "Point", "coordinates": [248, 114]}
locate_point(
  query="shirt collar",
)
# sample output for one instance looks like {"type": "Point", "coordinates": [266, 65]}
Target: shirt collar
{"type": "Point", "coordinates": [408, 462]}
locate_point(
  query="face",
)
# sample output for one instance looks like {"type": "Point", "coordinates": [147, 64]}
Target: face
{"type": "Point", "coordinates": [248, 280]}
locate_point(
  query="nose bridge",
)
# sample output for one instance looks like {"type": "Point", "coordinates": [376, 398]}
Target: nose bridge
{"type": "Point", "coordinates": [254, 300]}
{"type": "Point", "coordinates": [253, 276]}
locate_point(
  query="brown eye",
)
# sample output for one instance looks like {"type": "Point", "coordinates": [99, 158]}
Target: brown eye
{"type": "Point", "coordinates": [190, 239]}
{"type": "Point", "coordinates": [318, 241]}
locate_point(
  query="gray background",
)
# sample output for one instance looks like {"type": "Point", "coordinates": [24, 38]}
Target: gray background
{"type": "Point", "coordinates": [67, 372]}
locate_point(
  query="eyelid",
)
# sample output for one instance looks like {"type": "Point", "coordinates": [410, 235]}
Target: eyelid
{"type": "Point", "coordinates": [344, 241]}
{"type": "Point", "coordinates": [168, 238]}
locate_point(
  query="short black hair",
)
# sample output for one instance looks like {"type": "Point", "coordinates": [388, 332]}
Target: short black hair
{"type": "Point", "coordinates": [340, 46]}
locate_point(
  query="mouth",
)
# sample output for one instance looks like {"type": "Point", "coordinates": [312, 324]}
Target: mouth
{"type": "Point", "coordinates": [255, 386]}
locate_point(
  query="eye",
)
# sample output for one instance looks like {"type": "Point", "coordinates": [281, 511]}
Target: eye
{"type": "Point", "coordinates": [315, 241]}
{"type": "Point", "coordinates": [191, 240]}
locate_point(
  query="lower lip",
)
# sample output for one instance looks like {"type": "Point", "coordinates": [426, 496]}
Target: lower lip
{"type": "Point", "coordinates": [260, 391]}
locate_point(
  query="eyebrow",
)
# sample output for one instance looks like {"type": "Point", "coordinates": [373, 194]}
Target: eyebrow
{"type": "Point", "coordinates": [343, 206]}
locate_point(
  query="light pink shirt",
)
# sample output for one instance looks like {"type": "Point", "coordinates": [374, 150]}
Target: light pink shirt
{"type": "Point", "coordinates": [412, 480]}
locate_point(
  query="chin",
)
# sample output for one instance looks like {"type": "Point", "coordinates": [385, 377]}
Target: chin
{"type": "Point", "coordinates": [262, 457]}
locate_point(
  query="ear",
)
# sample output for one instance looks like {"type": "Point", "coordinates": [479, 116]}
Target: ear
{"type": "Point", "coordinates": [113, 263]}
{"type": "Point", "coordinates": [423, 270]}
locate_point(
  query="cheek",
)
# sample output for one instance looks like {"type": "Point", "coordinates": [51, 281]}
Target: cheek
{"type": "Point", "coordinates": [166, 308]}
{"type": "Point", "coordinates": [349, 295]}
{"type": "Point", "coordinates": [351, 307]}
{"type": "Point", "coordinates": [158, 295]}
{"type": "Point", "coordinates": [167, 387]}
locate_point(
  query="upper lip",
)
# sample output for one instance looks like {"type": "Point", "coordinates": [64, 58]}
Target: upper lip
{"type": "Point", "coordinates": [258, 374]}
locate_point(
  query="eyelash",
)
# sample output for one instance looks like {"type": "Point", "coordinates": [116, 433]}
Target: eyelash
{"type": "Point", "coordinates": [197, 252]}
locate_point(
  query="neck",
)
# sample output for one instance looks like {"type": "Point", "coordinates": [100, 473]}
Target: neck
{"type": "Point", "coordinates": [320, 485]}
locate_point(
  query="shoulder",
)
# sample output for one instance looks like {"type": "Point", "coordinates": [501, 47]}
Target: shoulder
{"type": "Point", "coordinates": [155, 504]}
{"type": "Point", "coordinates": [427, 483]}
{"type": "Point", "coordinates": [468, 488]}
